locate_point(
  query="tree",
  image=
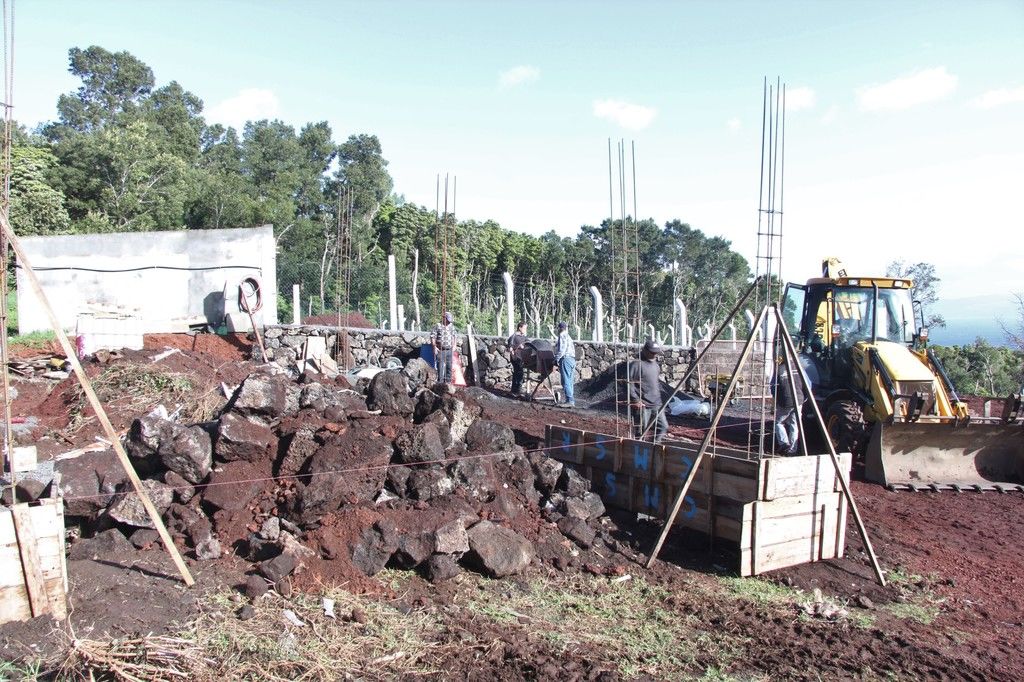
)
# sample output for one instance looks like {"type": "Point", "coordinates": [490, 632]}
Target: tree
{"type": "Point", "coordinates": [926, 285]}
{"type": "Point", "coordinates": [37, 208]}
{"type": "Point", "coordinates": [112, 84]}
{"type": "Point", "coordinates": [982, 369]}
{"type": "Point", "coordinates": [362, 169]}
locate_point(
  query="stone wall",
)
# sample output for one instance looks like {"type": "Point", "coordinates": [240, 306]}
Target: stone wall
{"type": "Point", "coordinates": [374, 347]}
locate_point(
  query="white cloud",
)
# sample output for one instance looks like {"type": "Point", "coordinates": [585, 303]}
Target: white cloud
{"type": "Point", "coordinates": [830, 115]}
{"type": "Point", "coordinates": [905, 92]}
{"type": "Point", "coordinates": [734, 123]}
{"type": "Point", "coordinates": [630, 116]}
{"type": "Point", "coordinates": [518, 75]}
{"type": "Point", "coordinates": [800, 98]}
{"type": "Point", "coordinates": [250, 104]}
{"type": "Point", "coordinates": [997, 98]}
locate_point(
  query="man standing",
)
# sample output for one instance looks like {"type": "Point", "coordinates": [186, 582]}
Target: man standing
{"type": "Point", "coordinates": [565, 356]}
{"type": "Point", "coordinates": [515, 351]}
{"type": "Point", "coordinates": [645, 392]}
{"type": "Point", "coordinates": [443, 338]}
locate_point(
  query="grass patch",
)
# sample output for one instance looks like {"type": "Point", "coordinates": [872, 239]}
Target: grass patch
{"type": "Point", "coordinates": [923, 611]}
{"type": "Point", "coordinates": [917, 600]}
{"type": "Point", "coordinates": [39, 340]}
{"type": "Point", "coordinates": [20, 672]}
{"type": "Point", "coordinates": [624, 621]}
{"type": "Point", "coordinates": [763, 592]}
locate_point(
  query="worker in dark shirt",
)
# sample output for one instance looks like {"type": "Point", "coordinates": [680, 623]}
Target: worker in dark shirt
{"type": "Point", "coordinates": [515, 349]}
{"type": "Point", "coordinates": [645, 393]}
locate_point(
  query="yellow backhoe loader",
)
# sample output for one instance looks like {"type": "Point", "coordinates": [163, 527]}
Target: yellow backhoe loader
{"type": "Point", "coordinates": [885, 396]}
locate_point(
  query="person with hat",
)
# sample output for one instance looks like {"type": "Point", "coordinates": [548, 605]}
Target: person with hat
{"type": "Point", "coordinates": [443, 338]}
{"type": "Point", "coordinates": [645, 392]}
{"type": "Point", "coordinates": [565, 356]}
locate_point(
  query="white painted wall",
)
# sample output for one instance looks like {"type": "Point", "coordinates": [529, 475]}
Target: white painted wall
{"type": "Point", "coordinates": [163, 278]}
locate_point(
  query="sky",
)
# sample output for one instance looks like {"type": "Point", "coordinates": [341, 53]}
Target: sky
{"type": "Point", "coordinates": [904, 122]}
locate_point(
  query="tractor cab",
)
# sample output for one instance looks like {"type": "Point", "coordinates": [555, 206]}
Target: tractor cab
{"type": "Point", "coordinates": [829, 316]}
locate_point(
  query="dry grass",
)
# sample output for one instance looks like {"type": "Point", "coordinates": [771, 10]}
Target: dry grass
{"type": "Point", "coordinates": [219, 646]}
{"type": "Point", "coordinates": [138, 388]}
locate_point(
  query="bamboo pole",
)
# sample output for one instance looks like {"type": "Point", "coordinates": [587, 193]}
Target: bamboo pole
{"type": "Point", "coordinates": [95, 403]}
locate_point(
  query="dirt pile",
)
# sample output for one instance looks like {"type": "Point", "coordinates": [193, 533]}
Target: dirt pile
{"type": "Point", "coordinates": [330, 479]}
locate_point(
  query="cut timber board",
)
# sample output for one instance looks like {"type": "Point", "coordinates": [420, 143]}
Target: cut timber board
{"type": "Point", "coordinates": [33, 573]}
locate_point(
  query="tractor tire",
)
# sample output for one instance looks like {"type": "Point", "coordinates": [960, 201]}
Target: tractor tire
{"type": "Point", "coordinates": [844, 422]}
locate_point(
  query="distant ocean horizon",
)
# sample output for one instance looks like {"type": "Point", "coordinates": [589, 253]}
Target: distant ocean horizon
{"type": "Point", "coordinates": [968, 319]}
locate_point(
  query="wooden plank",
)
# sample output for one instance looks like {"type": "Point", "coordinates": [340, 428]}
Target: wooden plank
{"type": "Point", "coordinates": [45, 520]}
{"type": "Point", "coordinates": [563, 444]}
{"type": "Point", "coordinates": [793, 506]}
{"type": "Point", "coordinates": [840, 547]}
{"type": "Point", "coordinates": [782, 555]}
{"type": "Point", "coordinates": [613, 488]}
{"type": "Point", "coordinates": [638, 459]}
{"type": "Point", "coordinates": [39, 600]}
{"type": "Point", "coordinates": [730, 461]}
{"type": "Point", "coordinates": [14, 604]}
{"type": "Point", "coordinates": [818, 524]}
{"type": "Point", "coordinates": [602, 452]}
{"type": "Point", "coordinates": [787, 476]}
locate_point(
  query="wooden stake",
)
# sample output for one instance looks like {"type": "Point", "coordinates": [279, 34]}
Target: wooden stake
{"type": "Point", "coordinates": [95, 403]}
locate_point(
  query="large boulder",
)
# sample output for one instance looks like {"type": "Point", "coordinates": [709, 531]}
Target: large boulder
{"type": "Point", "coordinates": [186, 450]}
{"type": "Point", "coordinates": [298, 447]}
{"type": "Point", "coordinates": [426, 484]}
{"type": "Point", "coordinates": [413, 549]}
{"type": "Point", "coordinates": [425, 402]}
{"type": "Point", "coordinates": [420, 444]}
{"type": "Point", "coordinates": [451, 538]}
{"type": "Point", "coordinates": [547, 471]}
{"type": "Point", "coordinates": [485, 436]}
{"type": "Point", "coordinates": [348, 469]}
{"type": "Point", "coordinates": [375, 547]}
{"type": "Point", "coordinates": [88, 482]}
{"type": "Point", "coordinates": [110, 544]}
{"type": "Point", "coordinates": [477, 476]}
{"type": "Point", "coordinates": [389, 392]}
{"type": "Point", "coordinates": [262, 395]}
{"type": "Point", "coordinates": [241, 438]}
{"type": "Point", "coordinates": [130, 510]}
{"type": "Point", "coordinates": [419, 373]}
{"type": "Point", "coordinates": [498, 551]}
{"type": "Point", "coordinates": [460, 415]}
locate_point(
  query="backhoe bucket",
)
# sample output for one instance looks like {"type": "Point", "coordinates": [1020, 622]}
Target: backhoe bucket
{"type": "Point", "coordinates": [943, 456]}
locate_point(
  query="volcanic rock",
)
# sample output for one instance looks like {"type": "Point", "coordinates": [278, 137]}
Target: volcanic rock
{"type": "Point", "coordinates": [441, 567]}
{"type": "Point", "coordinates": [498, 551]}
{"type": "Point", "coordinates": [572, 483]}
{"type": "Point", "coordinates": [130, 510]}
{"type": "Point", "coordinates": [451, 538]}
{"type": "Point", "coordinates": [374, 548]}
{"type": "Point", "coordinates": [389, 392]}
{"type": "Point", "coordinates": [88, 483]}
{"type": "Point", "coordinates": [109, 544]}
{"type": "Point", "coordinates": [231, 487]}
{"type": "Point", "coordinates": [426, 484]}
{"type": "Point", "coordinates": [261, 395]}
{"type": "Point", "coordinates": [419, 373]}
{"type": "Point", "coordinates": [576, 529]}
{"type": "Point", "coordinates": [241, 438]}
{"type": "Point", "coordinates": [485, 436]}
{"type": "Point", "coordinates": [420, 444]}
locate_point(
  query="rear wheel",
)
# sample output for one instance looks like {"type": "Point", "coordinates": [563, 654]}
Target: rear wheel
{"type": "Point", "coordinates": [844, 421]}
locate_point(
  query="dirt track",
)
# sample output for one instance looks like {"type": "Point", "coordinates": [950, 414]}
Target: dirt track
{"type": "Point", "coordinates": [953, 609]}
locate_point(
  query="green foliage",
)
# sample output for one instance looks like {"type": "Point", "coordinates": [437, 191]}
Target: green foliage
{"type": "Point", "coordinates": [982, 369]}
{"type": "Point", "coordinates": [127, 154]}
{"type": "Point", "coordinates": [37, 208]}
{"type": "Point", "coordinates": [926, 287]}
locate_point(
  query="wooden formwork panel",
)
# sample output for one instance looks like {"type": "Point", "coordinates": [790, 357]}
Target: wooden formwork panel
{"type": "Point", "coordinates": [33, 570]}
{"type": "Point", "coordinates": [778, 512]}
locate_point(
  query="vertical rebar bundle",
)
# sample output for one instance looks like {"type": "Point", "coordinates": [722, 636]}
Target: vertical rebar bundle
{"type": "Point", "coordinates": [5, 205]}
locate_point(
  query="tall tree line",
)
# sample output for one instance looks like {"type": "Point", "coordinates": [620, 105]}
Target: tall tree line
{"type": "Point", "coordinates": [128, 155]}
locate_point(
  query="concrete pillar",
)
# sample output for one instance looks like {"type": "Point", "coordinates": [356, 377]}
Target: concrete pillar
{"type": "Point", "coordinates": [652, 333]}
{"type": "Point", "coordinates": [296, 305]}
{"type": "Point", "coordinates": [598, 335]}
{"type": "Point", "coordinates": [688, 336]}
{"type": "Point", "coordinates": [732, 334]}
{"type": "Point", "coordinates": [684, 338]}
{"type": "Point", "coordinates": [392, 294]}
{"type": "Point", "coordinates": [401, 317]}
{"type": "Point", "coordinates": [750, 319]}
{"type": "Point", "coordinates": [509, 302]}
{"type": "Point", "coordinates": [672, 334]}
